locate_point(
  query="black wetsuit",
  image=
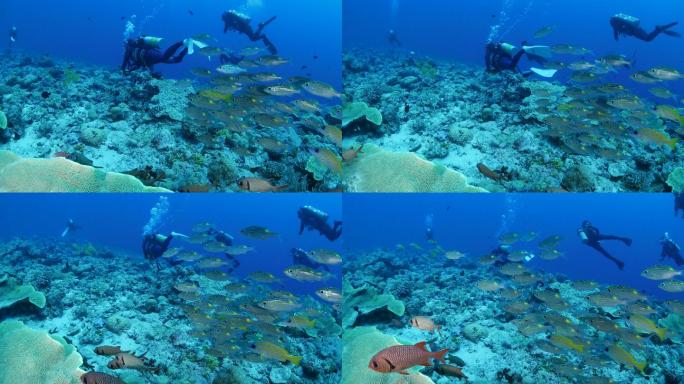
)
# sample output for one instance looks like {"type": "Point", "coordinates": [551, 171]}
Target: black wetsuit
{"type": "Point", "coordinates": [300, 257]}
{"type": "Point", "coordinates": [312, 219]}
{"type": "Point", "coordinates": [235, 22]}
{"type": "Point", "coordinates": [623, 27]}
{"type": "Point", "coordinates": [671, 250]}
{"type": "Point", "coordinates": [498, 60]}
{"type": "Point", "coordinates": [594, 238]}
{"type": "Point", "coordinates": [141, 55]}
{"type": "Point", "coordinates": [429, 234]}
{"type": "Point", "coordinates": [153, 247]}
{"type": "Point", "coordinates": [393, 39]}
{"type": "Point", "coordinates": [679, 203]}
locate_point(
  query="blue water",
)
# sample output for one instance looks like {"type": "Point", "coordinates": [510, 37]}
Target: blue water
{"type": "Point", "coordinates": [458, 30]}
{"type": "Point", "coordinates": [91, 32]}
{"type": "Point", "coordinates": [472, 223]}
{"type": "Point", "coordinates": [116, 221]}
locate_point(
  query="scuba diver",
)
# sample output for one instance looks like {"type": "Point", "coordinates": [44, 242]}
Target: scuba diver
{"type": "Point", "coordinates": [314, 219]}
{"type": "Point", "coordinates": [499, 57]}
{"type": "Point", "coordinates": [591, 236]}
{"type": "Point", "coordinates": [625, 25]}
{"type": "Point", "coordinates": [144, 53]}
{"type": "Point", "coordinates": [393, 39]}
{"type": "Point", "coordinates": [154, 245]}
{"type": "Point", "coordinates": [429, 233]}
{"type": "Point", "coordinates": [670, 249]}
{"type": "Point", "coordinates": [678, 203]}
{"type": "Point", "coordinates": [13, 35]}
{"type": "Point", "coordinates": [502, 56]}
{"type": "Point", "coordinates": [238, 22]}
{"type": "Point", "coordinates": [70, 227]}
{"type": "Point", "coordinates": [300, 257]}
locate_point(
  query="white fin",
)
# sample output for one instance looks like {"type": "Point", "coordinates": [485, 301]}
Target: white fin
{"type": "Point", "coordinates": [547, 73]}
{"type": "Point", "coordinates": [539, 50]}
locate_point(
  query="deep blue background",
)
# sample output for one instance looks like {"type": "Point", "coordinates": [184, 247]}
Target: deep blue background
{"type": "Point", "coordinates": [470, 224]}
{"type": "Point", "coordinates": [92, 31]}
{"type": "Point", "coordinates": [117, 220]}
{"type": "Point", "coordinates": [459, 29]}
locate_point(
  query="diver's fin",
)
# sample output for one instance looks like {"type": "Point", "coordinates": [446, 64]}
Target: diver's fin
{"type": "Point", "coordinates": [538, 50]}
{"type": "Point", "coordinates": [190, 44]}
{"type": "Point", "coordinates": [66, 231]}
{"type": "Point", "coordinates": [547, 73]}
{"type": "Point", "coordinates": [672, 33]}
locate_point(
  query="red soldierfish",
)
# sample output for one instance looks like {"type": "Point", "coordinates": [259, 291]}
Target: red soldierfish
{"type": "Point", "coordinates": [401, 357]}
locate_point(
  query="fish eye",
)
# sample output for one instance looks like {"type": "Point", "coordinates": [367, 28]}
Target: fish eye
{"type": "Point", "coordinates": [375, 364]}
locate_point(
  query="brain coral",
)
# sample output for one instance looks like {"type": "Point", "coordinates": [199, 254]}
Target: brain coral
{"type": "Point", "coordinates": [377, 170]}
{"type": "Point", "coordinates": [61, 175]}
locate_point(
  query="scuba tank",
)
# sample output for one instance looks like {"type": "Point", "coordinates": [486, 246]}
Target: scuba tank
{"type": "Point", "coordinates": [631, 20]}
{"type": "Point", "coordinates": [509, 48]}
{"type": "Point", "coordinates": [151, 41]}
{"type": "Point", "coordinates": [582, 234]}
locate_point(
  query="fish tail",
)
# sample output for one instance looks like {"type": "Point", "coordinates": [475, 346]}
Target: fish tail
{"type": "Point", "coordinates": [280, 188]}
{"type": "Point", "coordinates": [661, 333]}
{"type": "Point", "coordinates": [295, 359]}
{"type": "Point", "coordinates": [440, 355]}
{"type": "Point", "coordinates": [673, 143]}
{"type": "Point", "coordinates": [640, 365]}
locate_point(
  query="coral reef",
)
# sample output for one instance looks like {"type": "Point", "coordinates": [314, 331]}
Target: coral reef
{"type": "Point", "coordinates": [61, 175]}
{"type": "Point", "coordinates": [505, 326]}
{"type": "Point", "coordinates": [12, 293]}
{"type": "Point", "coordinates": [460, 116]}
{"type": "Point", "coordinates": [360, 344]}
{"type": "Point", "coordinates": [377, 170]}
{"type": "Point", "coordinates": [366, 301]}
{"type": "Point", "coordinates": [36, 357]}
{"type": "Point", "coordinates": [97, 296]}
{"type": "Point", "coordinates": [194, 134]}
{"type": "Point", "coordinates": [676, 180]}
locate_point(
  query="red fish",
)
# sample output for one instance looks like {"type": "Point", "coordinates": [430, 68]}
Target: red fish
{"type": "Point", "coordinates": [401, 357]}
{"type": "Point", "coordinates": [62, 154]}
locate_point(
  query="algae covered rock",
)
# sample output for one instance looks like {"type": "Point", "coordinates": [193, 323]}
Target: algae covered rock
{"type": "Point", "coordinates": [377, 170]}
{"type": "Point", "coordinates": [61, 175]}
{"type": "Point", "coordinates": [359, 346]}
{"type": "Point", "coordinates": [29, 356]}
{"type": "Point", "coordinates": [676, 180]}
{"type": "Point", "coordinates": [3, 120]}
{"type": "Point", "coordinates": [11, 292]}
{"type": "Point", "coordinates": [366, 300]}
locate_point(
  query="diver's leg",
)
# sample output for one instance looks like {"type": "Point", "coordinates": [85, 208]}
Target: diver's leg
{"type": "Point", "coordinates": [625, 240]}
{"type": "Point", "coordinates": [269, 45]}
{"type": "Point", "coordinates": [620, 264]}
{"type": "Point", "coordinates": [171, 51]}
{"type": "Point", "coordinates": [517, 57]}
{"type": "Point", "coordinates": [264, 24]}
